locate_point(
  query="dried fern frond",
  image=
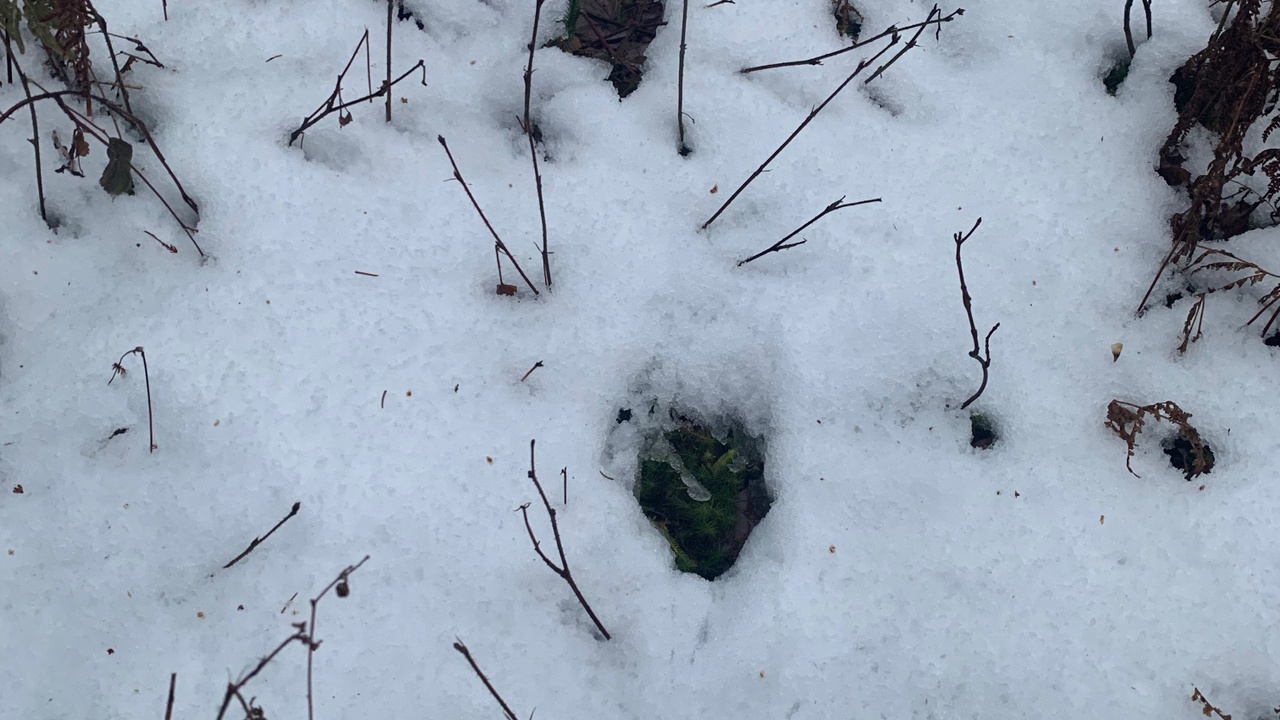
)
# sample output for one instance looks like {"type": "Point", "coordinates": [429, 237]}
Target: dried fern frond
{"type": "Point", "coordinates": [1127, 420]}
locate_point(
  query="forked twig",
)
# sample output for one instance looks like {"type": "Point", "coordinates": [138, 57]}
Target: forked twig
{"type": "Point", "coordinates": [91, 128]}
{"type": "Point", "coordinates": [462, 648]}
{"type": "Point", "coordinates": [1128, 33]}
{"type": "Point", "coordinates": [784, 245]}
{"type": "Point", "coordinates": [343, 590]}
{"type": "Point", "coordinates": [300, 635]}
{"type": "Point", "coordinates": [118, 369]}
{"type": "Point", "coordinates": [892, 31]}
{"type": "Point", "coordinates": [563, 569]}
{"type": "Point", "coordinates": [334, 103]}
{"type": "Point", "coordinates": [501, 246]}
{"type": "Point", "coordinates": [975, 353]}
{"type": "Point", "coordinates": [259, 540]}
{"type": "Point", "coordinates": [233, 688]}
{"type": "Point", "coordinates": [862, 65]}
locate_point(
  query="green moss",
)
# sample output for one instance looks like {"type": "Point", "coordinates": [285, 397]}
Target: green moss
{"type": "Point", "coordinates": [1115, 76]}
{"type": "Point", "coordinates": [706, 535]}
{"type": "Point", "coordinates": [983, 431]}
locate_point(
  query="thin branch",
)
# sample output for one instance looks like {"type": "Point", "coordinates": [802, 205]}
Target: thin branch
{"type": "Point", "coordinates": [300, 635]}
{"type": "Point", "coordinates": [1128, 33]}
{"type": "Point", "coordinates": [113, 107]}
{"type": "Point", "coordinates": [118, 369]}
{"type": "Point", "coordinates": [99, 134]}
{"type": "Point", "coordinates": [312, 644]}
{"type": "Point", "coordinates": [334, 102]}
{"type": "Point", "coordinates": [233, 689]}
{"type": "Point", "coordinates": [501, 246]}
{"type": "Point", "coordinates": [533, 152]}
{"type": "Point", "coordinates": [976, 354]}
{"type": "Point", "coordinates": [506, 710]}
{"type": "Point", "coordinates": [115, 64]}
{"type": "Point", "coordinates": [390, 18]}
{"type": "Point", "coordinates": [563, 569]}
{"type": "Point", "coordinates": [892, 31]}
{"type": "Point", "coordinates": [8, 57]}
{"type": "Point", "coordinates": [35, 134]}
{"type": "Point", "coordinates": [173, 684]}
{"type": "Point", "coordinates": [259, 540]}
{"type": "Point", "coordinates": [783, 245]}
{"type": "Point", "coordinates": [527, 374]}
{"type": "Point", "coordinates": [812, 114]}
{"type": "Point", "coordinates": [682, 148]}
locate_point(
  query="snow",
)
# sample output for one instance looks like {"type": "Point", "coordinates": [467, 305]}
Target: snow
{"type": "Point", "coordinates": [900, 573]}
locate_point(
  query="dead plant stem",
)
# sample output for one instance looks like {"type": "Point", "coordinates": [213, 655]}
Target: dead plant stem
{"type": "Point", "coordinates": [682, 148]}
{"type": "Point", "coordinates": [563, 569]}
{"type": "Point", "coordinates": [462, 648]}
{"type": "Point", "coordinates": [501, 246]}
{"type": "Point", "coordinates": [533, 151]}
{"type": "Point", "coordinates": [35, 136]}
{"type": "Point", "coordinates": [783, 245]}
{"type": "Point", "coordinates": [862, 65]}
{"type": "Point", "coordinates": [259, 540]}
{"type": "Point", "coordinates": [390, 19]}
{"type": "Point", "coordinates": [975, 353]}
{"type": "Point", "coordinates": [118, 369]}
{"type": "Point", "coordinates": [892, 31]}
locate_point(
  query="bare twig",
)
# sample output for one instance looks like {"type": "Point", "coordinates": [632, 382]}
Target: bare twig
{"type": "Point", "coordinates": [118, 369]}
{"type": "Point", "coordinates": [334, 102]}
{"type": "Point", "coordinates": [862, 65]}
{"type": "Point", "coordinates": [115, 64]}
{"type": "Point", "coordinates": [233, 688]}
{"type": "Point", "coordinates": [344, 589]}
{"type": "Point", "coordinates": [563, 569]}
{"type": "Point", "coordinates": [163, 244]}
{"type": "Point", "coordinates": [391, 18]}
{"type": "Point", "coordinates": [784, 245]}
{"type": "Point", "coordinates": [35, 127]}
{"type": "Point", "coordinates": [682, 148]}
{"type": "Point", "coordinates": [300, 635]}
{"type": "Point", "coordinates": [975, 353]}
{"type": "Point", "coordinates": [8, 57]}
{"type": "Point", "coordinates": [259, 540]}
{"type": "Point", "coordinates": [533, 151]}
{"type": "Point", "coordinates": [506, 710]}
{"type": "Point", "coordinates": [892, 31]}
{"type": "Point", "coordinates": [564, 476]}
{"type": "Point", "coordinates": [173, 684]}
{"type": "Point", "coordinates": [501, 246]}
{"type": "Point", "coordinates": [1128, 33]}
{"type": "Point", "coordinates": [527, 374]}
{"type": "Point", "coordinates": [97, 133]}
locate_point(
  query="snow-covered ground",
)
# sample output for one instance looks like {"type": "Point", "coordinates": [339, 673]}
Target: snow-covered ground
{"type": "Point", "coordinates": [900, 573]}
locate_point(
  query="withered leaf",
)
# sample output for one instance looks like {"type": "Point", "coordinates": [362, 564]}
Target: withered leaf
{"type": "Point", "coordinates": [117, 176]}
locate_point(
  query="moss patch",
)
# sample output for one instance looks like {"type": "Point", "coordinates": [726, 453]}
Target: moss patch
{"type": "Point", "coordinates": [704, 493]}
{"type": "Point", "coordinates": [982, 431]}
{"type": "Point", "coordinates": [1116, 75]}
